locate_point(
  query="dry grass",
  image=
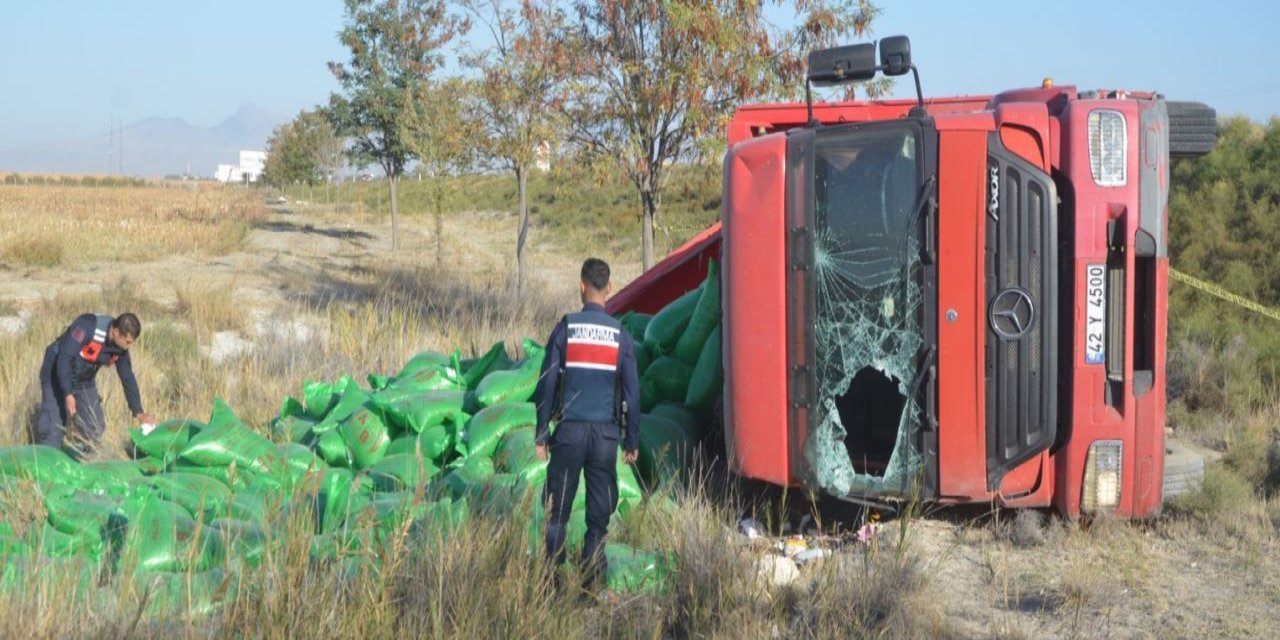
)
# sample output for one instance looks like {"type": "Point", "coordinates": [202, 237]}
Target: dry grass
{"type": "Point", "coordinates": [34, 251]}
{"type": "Point", "coordinates": [85, 224]}
{"type": "Point", "coordinates": [208, 309]}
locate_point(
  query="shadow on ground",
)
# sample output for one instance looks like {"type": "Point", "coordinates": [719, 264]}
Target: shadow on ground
{"type": "Point", "coordinates": [284, 226]}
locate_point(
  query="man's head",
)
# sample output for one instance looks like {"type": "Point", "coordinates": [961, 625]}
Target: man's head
{"type": "Point", "coordinates": [124, 330]}
{"type": "Point", "coordinates": [595, 281]}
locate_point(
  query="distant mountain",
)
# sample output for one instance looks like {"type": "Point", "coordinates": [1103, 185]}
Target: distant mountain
{"type": "Point", "coordinates": [150, 147]}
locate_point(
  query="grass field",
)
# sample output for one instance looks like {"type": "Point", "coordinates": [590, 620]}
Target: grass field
{"type": "Point", "coordinates": [929, 574]}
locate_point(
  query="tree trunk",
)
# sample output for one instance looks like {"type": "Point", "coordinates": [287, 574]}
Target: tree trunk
{"type": "Point", "coordinates": [522, 180]}
{"type": "Point", "coordinates": [395, 215]}
{"type": "Point", "coordinates": [650, 200]}
{"type": "Point", "coordinates": [438, 197]}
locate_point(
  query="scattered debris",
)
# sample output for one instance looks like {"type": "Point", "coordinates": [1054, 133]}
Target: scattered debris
{"type": "Point", "coordinates": [777, 570]}
{"type": "Point", "coordinates": [751, 528]}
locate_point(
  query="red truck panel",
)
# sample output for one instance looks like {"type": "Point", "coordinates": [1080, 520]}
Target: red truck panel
{"type": "Point", "coordinates": [1091, 417]}
{"type": "Point", "coordinates": [962, 454]}
{"type": "Point", "coordinates": [756, 120]}
{"type": "Point", "coordinates": [755, 309]}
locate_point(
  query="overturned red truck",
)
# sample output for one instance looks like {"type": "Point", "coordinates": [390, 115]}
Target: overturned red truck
{"type": "Point", "coordinates": [957, 299]}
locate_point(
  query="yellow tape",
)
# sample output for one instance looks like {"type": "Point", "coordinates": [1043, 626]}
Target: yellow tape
{"type": "Point", "coordinates": [1219, 292]}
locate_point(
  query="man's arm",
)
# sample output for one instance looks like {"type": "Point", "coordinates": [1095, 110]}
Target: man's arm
{"type": "Point", "coordinates": [549, 382]}
{"type": "Point", "coordinates": [124, 367]}
{"type": "Point", "coordinates": [630, 393]}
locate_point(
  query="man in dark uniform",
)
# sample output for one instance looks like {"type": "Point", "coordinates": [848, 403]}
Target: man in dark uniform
{"type": "Point", "coordinates": [69, 399]}
{"type": "Point", "coordinates": [589, 386]}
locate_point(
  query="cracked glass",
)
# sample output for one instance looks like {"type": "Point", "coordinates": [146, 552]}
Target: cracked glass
{"type": "Point", "coordinates": [868, 312]}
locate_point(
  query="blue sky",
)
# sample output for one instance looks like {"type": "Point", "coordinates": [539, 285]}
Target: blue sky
{"type": "Point", "coordinates": [70, 67]}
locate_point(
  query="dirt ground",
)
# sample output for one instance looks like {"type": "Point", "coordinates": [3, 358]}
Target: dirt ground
{"type": "Point", "coordinates": [988, 575]}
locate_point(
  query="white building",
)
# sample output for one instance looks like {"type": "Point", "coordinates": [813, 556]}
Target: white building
{"type": "Point", "coordinates": [249, 169]}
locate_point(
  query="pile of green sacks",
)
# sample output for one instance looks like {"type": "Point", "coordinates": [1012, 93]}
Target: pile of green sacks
{"type": "Point", "coordinates": [412, 454]}
{"type": "Point", "coordinates": [681, 377]}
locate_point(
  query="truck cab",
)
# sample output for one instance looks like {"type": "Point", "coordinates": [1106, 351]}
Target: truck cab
{"type": "Point", "coordinates": [958, 299]}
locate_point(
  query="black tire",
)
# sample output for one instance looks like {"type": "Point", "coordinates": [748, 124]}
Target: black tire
{"type": "Point", "coordinates": [1183, 470]}
{"type": "Point", "coordinates": [1193, 129]}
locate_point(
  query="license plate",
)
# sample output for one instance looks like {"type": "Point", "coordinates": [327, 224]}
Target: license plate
{"type": "Point", "coordinates": [1095, 314]}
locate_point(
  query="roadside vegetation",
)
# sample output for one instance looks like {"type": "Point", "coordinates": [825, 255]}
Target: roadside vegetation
{"type": "Point", "coordinates": [50, 225]}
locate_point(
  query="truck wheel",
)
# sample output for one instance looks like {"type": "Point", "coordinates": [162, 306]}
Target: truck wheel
{"type": "Point", "coordinates": [1183, 470]}
{"type": "Point", "coordinates": [1193, 129]}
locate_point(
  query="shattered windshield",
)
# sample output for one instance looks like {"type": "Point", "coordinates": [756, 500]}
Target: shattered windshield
{"type": "Point", "coordinates": [867, 281]}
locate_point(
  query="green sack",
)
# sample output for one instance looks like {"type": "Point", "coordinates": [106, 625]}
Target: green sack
{"type": "Point", "coordinates": [227, 440]}
{"type": "Point", "coordinates": [683, 416]}
{"type": "Point", "coordinates": [507, 386]}
{"type": "Point", "coordinates": [150, 466]}
{"type": "Point", "coordinates": [302, 464]}
{"type": "Point", "coordinates": [200, 495]}
{"type": "Point", "coordinates": [425, 360]}
{"type": "Point", "coordinates": [293, 429]}
{"type": "Point", "coordinates": [426, 378]}
{"type": "Point", "coordinates": [333, 499]}
{"type": "Point", "coordinates": [366, 436]}
{"type": "Point", "coordinates": [179, 594]}
{"type": "Point", "coordinates": [350, 400]}
{"type": "Point", "coordinates": [705, 319]}
{"type": "Point", "coordinates": [666, 449]}
{"type": "Point", "coordinates": [496, 359]}
{"type": "Point", "coordinates": [575, 531]}
{"type": "Point", "coordinates": [643, 359]}
{"type": "Point", "coordinates": [515, 385]}
{"type": "Point", "coordinates": [293, 424]}
{"type": "Point", "coordinates": [319, 398]}
{"type": "Point", "coordinates": [706, 383]}
{"type": "Point", "coordinates": [39, 463]}
{"type": "Point", "coordinates": [663, 331]}
{"type": "Point", "coordinates": [109, 476]}
{"type": "Point", "coordinates": [240, 539]}
{"type": "Point", "coordinates": [630, 571]}
{"type": "Point", "coordinates": [55, 544]}
{"type": "Point", "coordinates": [339, 544]}
{"type": "Point", "coordinates": [332, 448]}
{"type": "Point", "coordinates": [401, 472]}
{"type": "Point", "coordinates": [517, 451]}
{"type": "Point", "coordinates": [635, 324]}
{"type": "Point", "coordinates": [518, 455]}
{"type": "Point", "coordinates": [230, 476]}
{"type": "Point", "coordinates": [628, 485]}
{"type": "Point", "coordinates": [437, 520]}
{"type": "Point", "coordinates": [501, 493]}
{"type": "Point", "coordinates": [433, 442]}
{"type": "Point", "coordinates": [420, 410]}
{"type": "Point", "coordinates": [164, 538]}
{"type": "Point", "coordinates": [485, 430]}
{"type": "Point", "coordinates": [85, 514]}
{"type": "Point", "coordinates": [255, 504]}
{"type": "Point", "coordinates": [666, 380]}
{"type": "Point", "coordinates": [167, 439]}
{"type": "Point", "coordinates": [470, 478]}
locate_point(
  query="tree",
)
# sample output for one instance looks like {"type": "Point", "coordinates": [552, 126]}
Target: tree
{"type": "Point", "coordinates": [651, 82]}
{"type": "Point", "coordinates": [435, 130]}
{"type": "Point", "coordinates": [304, 150]}
{"type": "Point", "coordinates": [395, 46]}
{"type": "Point", "coordinates": [514, 91]}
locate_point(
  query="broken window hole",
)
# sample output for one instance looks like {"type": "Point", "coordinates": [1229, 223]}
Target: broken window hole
{"type": "Point", "coordinates": [871, 412]}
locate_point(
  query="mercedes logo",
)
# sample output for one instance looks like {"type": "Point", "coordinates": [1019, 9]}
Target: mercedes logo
{"type": "Point", "coordinates": [1012, 314]}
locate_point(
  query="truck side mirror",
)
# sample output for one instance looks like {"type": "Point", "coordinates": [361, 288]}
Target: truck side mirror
{"type": "Point", "coordinates": [850, 63]}
{"type": "Point", "coordinates": [895, 55]}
